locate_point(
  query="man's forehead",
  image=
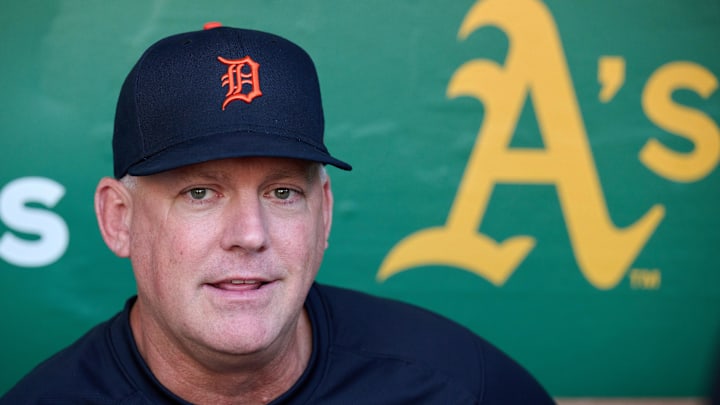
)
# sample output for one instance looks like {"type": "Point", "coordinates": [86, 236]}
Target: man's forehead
{"type": "Point", "coordinates": [230, 169]}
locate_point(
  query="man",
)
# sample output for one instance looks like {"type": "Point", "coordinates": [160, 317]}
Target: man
{"type": "Point", "coordinates": [221, 201]}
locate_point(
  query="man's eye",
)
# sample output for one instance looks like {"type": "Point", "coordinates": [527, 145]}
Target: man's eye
{"type": "Point", "coordinates": [282, 193]}
{"type": "Point", "coordinates": [198, 193]}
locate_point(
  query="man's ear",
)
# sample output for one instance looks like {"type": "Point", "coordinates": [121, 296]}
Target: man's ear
{"type": "Point", "coordinates": [327, 207]}
{"type": "Point", "coordinates": [113, 210]}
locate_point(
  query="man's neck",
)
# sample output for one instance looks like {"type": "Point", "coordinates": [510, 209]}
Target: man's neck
{"type": "Point", "coordinates": [216, 378]}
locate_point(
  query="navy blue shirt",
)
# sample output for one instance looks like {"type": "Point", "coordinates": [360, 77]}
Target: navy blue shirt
{"type": "Point", "coordinates": [366, 350]}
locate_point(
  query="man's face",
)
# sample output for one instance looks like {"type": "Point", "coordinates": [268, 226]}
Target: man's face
{"type": "Point", "coordinates": [224, 252]}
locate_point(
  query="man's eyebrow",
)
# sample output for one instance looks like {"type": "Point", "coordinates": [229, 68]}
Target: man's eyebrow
{"type": "Point", "coordinates": [202, 175]}
{"type": "Point", "coordinates": [307, 173]}
{"type": "Point", "coordinates": [188, 176]}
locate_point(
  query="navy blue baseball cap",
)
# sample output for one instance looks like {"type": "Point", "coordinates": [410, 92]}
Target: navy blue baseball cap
{"type": "Point", "coordinates": [219, 93]}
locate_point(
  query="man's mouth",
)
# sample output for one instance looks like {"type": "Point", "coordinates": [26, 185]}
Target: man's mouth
{"type": "Point", "coordinates": [239, 285]}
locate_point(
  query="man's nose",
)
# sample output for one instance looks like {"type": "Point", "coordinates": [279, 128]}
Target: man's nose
{"type": "Point", "coordinates": [245, 225]}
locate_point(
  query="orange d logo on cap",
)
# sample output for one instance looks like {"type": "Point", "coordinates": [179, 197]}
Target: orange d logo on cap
{"type": "Point", "coordinates": [242, 80]}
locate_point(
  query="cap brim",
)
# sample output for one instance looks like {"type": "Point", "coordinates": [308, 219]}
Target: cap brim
{"type": "Point", "coordinates": [232, 145]}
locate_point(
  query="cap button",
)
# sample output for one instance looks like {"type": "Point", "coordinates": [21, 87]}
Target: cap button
{"type": "Point", "coordinates": [212, 24]}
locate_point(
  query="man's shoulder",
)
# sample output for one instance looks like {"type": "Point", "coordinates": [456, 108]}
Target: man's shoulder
{"type": "Point", "coordinates": [85, 370]}
{"type": "Point", "coordinates": [377, 327]}
{"type": "Point", "coordinates": [356, 310]}
{"type": "Point", "coordinates": [393, 328]}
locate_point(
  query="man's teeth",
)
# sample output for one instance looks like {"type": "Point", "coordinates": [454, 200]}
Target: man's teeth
{"type": "Point", "coordinates": [244, 282]}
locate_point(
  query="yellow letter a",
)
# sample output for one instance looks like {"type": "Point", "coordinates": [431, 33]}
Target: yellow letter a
{"type": "Point", "coordinates": [535, 66]}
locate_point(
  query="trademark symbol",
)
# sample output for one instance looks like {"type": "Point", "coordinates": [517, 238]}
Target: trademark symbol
{"type": "Point", "coordinates": [645, 279]}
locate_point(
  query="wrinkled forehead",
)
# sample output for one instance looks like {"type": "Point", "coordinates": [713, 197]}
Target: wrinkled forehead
{"type": "Point", "coordinates": [234, 169]}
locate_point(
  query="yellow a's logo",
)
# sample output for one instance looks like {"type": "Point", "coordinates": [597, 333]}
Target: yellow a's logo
{"type": "Point", "coordinates": [535, 67]}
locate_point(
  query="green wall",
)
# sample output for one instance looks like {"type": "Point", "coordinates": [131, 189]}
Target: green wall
{"type": "Point", "coordinates": [544, 173]}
